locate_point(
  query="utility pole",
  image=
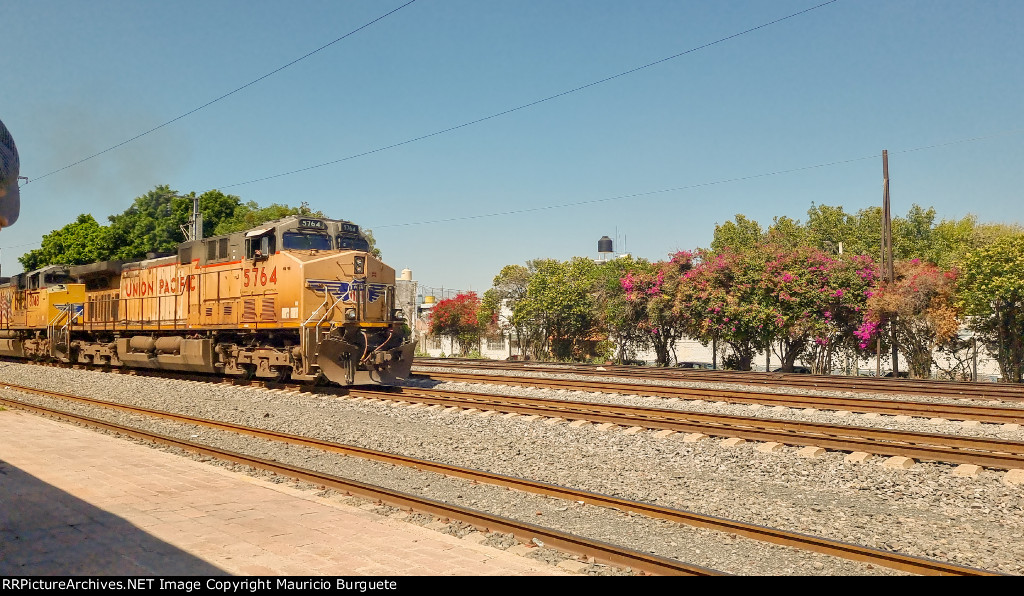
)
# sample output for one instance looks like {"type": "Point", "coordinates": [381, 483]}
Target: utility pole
{"type": "Point", "coordinates": [888, 271]}
{"type": "Point", "coordinates": [974, 358]}
{"type": "Point", "coordinates": [193, 230]}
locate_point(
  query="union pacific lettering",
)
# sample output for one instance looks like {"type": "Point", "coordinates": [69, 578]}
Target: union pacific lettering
{"type": "Point", "coordinates": [175, 285]}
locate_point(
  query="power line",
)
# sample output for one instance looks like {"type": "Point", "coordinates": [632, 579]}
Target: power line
{"type": "Point", "coordinates": [693, 186]}
{"type": "Point", "coordinates": [532, 103]}
{"type": "Point", "coordinates": [621, 197]}
{"type": "Point", "coordinates": [230, 93]}
{"type": "Point", "coordinates": [674, 189]}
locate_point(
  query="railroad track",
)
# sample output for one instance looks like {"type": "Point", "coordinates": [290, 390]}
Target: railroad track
{"type": "Point", "coordinates": [956, 389]}
{"type": "Point", "coordinates": [990, 453]}
{"type": "Point", "coordinates": [560, 540]}
{"type": "Point", "coordinates": [992, 414]}
{"type": "Point", "coordinates": [984, 452]}
{"type": "Point", "coordinates": [600, 551]}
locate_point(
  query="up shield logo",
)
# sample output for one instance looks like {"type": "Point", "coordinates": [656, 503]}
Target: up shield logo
{"type": "Point", "coordinates": [344, 291]}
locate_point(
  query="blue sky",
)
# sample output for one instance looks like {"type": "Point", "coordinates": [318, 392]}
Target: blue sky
{"type": "Point", "coordinates": [654, 158]}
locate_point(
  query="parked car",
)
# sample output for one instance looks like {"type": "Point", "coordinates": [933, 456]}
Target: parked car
{"type": "Point", "coordinates": [797, 369]}
{"type": "Point", "coordinates": [902, 374]}
{"type": "Point", "coordinates": [701, 365]}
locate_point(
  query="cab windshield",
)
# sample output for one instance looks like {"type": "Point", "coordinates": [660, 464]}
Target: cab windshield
{"type": "Point", "coordinates": [353, 243]}
{"type": "Point", "coordinates": [306, 241]}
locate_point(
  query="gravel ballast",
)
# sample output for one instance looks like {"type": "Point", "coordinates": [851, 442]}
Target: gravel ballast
{"type": "Point", "coordinates": [924, 511]}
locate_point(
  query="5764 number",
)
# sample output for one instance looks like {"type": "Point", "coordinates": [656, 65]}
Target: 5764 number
{"type": "Point", "coordinates": [257, 276]}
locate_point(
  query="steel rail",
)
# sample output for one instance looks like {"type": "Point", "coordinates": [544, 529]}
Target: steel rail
{"type": "Point", "coordinates": [990, 453]}
{"type": "Point", "coordinates": [601, 551]}
{"type": "Point", "coordinates": [955, 389]}
{"type": "Point", "coordinates": [993, 414]}
{"type": "Point", "coordinates": [563, 541]}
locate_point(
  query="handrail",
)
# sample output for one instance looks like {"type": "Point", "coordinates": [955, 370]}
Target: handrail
{"type": "Point", "coordinates": [327, 312]}
{"type": "Point", "coordinates": [313, 314]}
{"type": "Point", "coordinates": [63, 311]}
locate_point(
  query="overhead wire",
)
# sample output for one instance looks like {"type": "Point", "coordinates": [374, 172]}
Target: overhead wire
{"type": "Point", "coordinates": [228, 94]}
{"type": "Point", "coordinates": [527, 105]}
{"type": "Point", "coordinates": [696, 185]}
{"type": "Point", "coordinates": [532, 103]}
{"type": "Point", "coordinates": [676, 188]}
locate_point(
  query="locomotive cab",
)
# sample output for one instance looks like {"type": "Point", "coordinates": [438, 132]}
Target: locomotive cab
{"type": "Point", "coordinates": [318, 276]}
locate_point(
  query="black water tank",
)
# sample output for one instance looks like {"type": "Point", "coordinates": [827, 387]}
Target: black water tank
{"type": "Point", "coordinates": [604, 245]}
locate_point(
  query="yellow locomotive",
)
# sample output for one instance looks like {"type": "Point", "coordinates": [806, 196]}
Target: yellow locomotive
{"type": "Point", "coordinates": [298, 298]}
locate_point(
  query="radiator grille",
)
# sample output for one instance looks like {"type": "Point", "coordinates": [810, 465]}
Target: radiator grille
{"type": "Point", "coordinates": [267, 309]}
{"type": "Point", "coordinates": [249, 310]}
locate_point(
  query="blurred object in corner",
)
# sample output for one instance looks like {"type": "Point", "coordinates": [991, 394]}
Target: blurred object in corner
{"type": "Point", "coordinates": [10, 197]}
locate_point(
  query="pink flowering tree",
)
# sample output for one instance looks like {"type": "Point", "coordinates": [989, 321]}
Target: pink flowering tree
{"type": "Point", "coordinates": [817, 302]}
{"type": "Point", "coordinates": [650, 293]}
{"type": "Point", "coordinates": [721, 298]}
{"type": "Point", "coordinates": [920, 305]}
{"type": "Point", "coordinates": [459, 318]}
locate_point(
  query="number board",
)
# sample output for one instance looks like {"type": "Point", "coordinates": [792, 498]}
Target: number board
{"type": "Point", "coordinates": [312, 224]}
{"type": "Point", "coordinates": [351, 228]}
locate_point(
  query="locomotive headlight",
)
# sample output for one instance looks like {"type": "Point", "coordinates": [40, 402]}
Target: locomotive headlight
{"type": "Point", "coordinates": [350, 314]}
{"type": "Point", "coordinates": [360, 265]}
{"type": "Point", "coordinates": [398, 314]}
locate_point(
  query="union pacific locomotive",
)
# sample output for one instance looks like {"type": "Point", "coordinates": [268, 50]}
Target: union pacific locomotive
{"type": "Point", "coordinates": [299, 298]}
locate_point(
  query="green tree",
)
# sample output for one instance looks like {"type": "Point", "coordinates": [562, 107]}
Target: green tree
{"type": "Point", "coordinates": [621, 318]}
{"type": "Point", "coordinates": [249, 215]}
{"type": "Point", "coordinates": [151, 224]}
{"type": "Point", "coordinates": [214, 206]}
{"type": "Point", "coordinates": [739, 235]}
{"type": "Point", "coordinates": [786, 232]}
{"type": "Point", "coordinates": [80, 242]}
{"type": "Point", "coordinates": [559, 303]}
{"type": "Point", "coordinates": [491, 314]}
{"type": "Point", "coordinates": [509, 287]}
{"type": "Point", "coordinates": [912, 235]}
{"type": "Point", "coordinates": [951, 240]}
{"type": "Point", "coordinates": [827, 226]}
{"type": "Point", "coordinates": [991, 294]}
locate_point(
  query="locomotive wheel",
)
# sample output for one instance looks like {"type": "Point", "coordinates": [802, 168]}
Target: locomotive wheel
{"type": "Point", "coordinates": [283, 373]}
{"type": "Point", "coordinates": [249, 372]}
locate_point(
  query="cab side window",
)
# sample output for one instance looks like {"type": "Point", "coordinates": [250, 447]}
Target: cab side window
{"type": "Point", "coordinates": [260, 247]}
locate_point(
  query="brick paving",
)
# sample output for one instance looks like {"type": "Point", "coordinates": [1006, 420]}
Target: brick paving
{"type": "Point", "coordinates": [77, 502]}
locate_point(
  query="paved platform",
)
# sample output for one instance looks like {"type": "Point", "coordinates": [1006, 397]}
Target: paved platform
{"type": "Point", "coordinates": [77, 502]}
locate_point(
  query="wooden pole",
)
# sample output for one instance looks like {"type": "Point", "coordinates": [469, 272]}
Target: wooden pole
{"type": "Point", "coordinates": [890, 269]}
